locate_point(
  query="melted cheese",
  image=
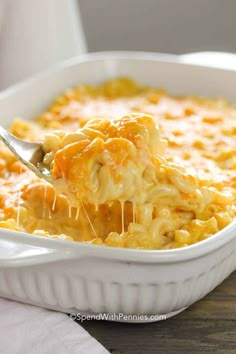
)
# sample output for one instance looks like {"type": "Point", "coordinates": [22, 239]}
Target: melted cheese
{"type": "Point", "coordinates": [124, 188]}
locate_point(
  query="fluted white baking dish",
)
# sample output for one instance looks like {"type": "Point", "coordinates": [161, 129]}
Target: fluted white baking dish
{"type": "Point", "coordinates": [74, 277]}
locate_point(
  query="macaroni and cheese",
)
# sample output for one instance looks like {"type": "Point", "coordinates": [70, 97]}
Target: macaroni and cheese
{"type": "Point", "coordinates": [131, 167]}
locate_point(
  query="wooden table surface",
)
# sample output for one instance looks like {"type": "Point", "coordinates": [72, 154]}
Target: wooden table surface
{"type": "Point", "coordinates": [208, 326]}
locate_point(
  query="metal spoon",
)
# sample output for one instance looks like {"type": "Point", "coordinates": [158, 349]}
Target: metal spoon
{"type": "Point", "coordinates": [31, 154]}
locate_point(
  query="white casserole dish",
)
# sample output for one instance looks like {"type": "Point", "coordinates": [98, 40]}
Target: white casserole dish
{"type": "Point", "coordinates": [74, 277]}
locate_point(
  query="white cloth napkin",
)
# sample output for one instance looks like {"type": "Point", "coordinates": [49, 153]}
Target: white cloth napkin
{"type": "Point", "coordinates": [30, 329]}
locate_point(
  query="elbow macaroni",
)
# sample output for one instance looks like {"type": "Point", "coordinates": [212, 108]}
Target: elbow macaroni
{"type": "Point", "coordinates": [116, 181]}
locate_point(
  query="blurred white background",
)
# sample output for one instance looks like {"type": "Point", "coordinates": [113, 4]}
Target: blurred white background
{"type": "Point", "coordinates": [170, 26]}
{"type": "Point", "coordinates": [35, 35]}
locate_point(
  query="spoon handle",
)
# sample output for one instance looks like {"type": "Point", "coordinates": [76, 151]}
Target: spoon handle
{"type": "Point", "coordinates": [28, 153]}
